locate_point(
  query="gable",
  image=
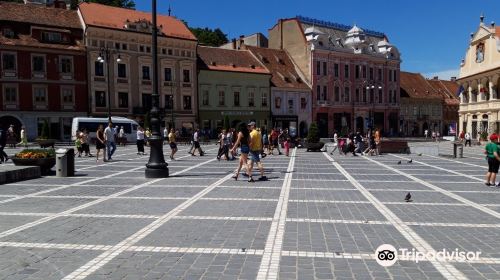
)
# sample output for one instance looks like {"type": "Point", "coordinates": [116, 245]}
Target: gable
{"type": "Point", "coordinates": [480, 35]}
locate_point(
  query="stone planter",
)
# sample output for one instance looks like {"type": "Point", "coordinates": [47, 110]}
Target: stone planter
{"type": "Point", "coordinates": [314, 147]}
{"type": "Point", "coordinates": [46, 143]}
{"type": "Point", "coordinates": [45, 164]}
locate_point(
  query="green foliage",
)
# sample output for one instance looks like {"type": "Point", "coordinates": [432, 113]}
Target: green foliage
{"type": "Point", "coordinates": [147, 120]}
{"type": "Point", "coordinates": [45, 130]}
{"type": "Point", "coordinates": [129, 4]}
{"type": "Point", "coordinates": [312, 136]}
{"type": "Point", "coordinates": [209, 37]}
{"type": "Point", "coordinates": [484, 135]}
{"type": "Point", "coordinates": [226, 122]}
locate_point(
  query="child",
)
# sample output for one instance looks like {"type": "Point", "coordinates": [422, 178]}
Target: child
{"type": "Point", "coordinates": [78, 145]}
{"type": "Point", "coordinates": [287, 145]}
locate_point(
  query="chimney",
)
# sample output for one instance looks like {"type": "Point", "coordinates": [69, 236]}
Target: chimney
{"type": "Point", "coordinates": [234, 44]}
{"type": "Point", "coordinates": [435, 78]}
{"type": "Point", "coordinates": [242, 41]}
{"type": "Point", "coordinates": [453, 79]}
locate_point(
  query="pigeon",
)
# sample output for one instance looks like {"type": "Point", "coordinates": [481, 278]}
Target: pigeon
{"type": "Point", "coordinates": [410, 161]}
{"type": "Point", "coordinates": [399, 162]}
{"type": "Point", "coordinates": [243, 249]}
{"type": "Point", "coordinates": [408, 197]}
{"type": "Point", "coordinates": [366, 221]}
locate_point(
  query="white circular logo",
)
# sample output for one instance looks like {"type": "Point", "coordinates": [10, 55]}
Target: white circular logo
{"type": "Point", "coordinates": [386, 255]}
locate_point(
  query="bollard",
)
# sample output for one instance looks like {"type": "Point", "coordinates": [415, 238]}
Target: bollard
{"type": "Point", "coordinates": [460, 150]}
{"type": "Point", "coordinates": [61, 163]}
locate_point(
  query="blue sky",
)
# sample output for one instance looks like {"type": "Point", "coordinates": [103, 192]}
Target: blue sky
{"type": "Point", "coordinates": [432, 35]}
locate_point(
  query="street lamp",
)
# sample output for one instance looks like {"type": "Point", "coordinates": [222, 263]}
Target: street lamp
{"type": "Point", "coordinates": [105, 56]}
{"type": "Point", "coordinates": [156, 166]}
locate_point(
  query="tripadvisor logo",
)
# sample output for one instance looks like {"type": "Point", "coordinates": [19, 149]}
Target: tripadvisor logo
{"type": "Point", "coordinates": [386, 255]}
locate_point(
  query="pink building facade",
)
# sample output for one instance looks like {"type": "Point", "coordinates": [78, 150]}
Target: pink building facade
{"type": "Point", "coordinates": [354, 74]}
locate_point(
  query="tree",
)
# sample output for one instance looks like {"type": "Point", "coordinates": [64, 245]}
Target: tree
{"type": "Point", "coordinates": [209, 37]}
{"type": "Point", "coordinates": [129, 4]}
{"type": "Point", "coordinates": [313, 136]}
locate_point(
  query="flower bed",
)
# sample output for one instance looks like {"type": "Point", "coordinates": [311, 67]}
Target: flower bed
{"type": "Point", "coordinates": [44, 158]}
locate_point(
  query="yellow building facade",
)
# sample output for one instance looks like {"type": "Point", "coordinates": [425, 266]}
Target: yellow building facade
{"type": "Point", "coordinates": [480, 82]}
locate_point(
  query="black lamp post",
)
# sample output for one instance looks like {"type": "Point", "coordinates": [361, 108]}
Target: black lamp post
{"type": "Point", "coordinates": [156, 166]}
{"type": "Point", "coordinates": [105, 56]}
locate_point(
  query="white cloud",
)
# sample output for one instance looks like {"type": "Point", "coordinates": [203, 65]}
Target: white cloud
{"type": "Point", "coordinates": [443, 75]}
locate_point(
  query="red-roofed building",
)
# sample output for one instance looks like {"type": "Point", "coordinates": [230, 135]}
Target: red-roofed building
{"type": "Point", "coordinates": [232, 85]}
{"type": "Point", "coordinates": [43, 68]}
{"type": "Point", "coordinates": [127, 33]}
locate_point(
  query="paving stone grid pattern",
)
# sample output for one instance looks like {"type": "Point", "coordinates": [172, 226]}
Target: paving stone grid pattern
{"type": "Point", "coordinates": [318, 217]}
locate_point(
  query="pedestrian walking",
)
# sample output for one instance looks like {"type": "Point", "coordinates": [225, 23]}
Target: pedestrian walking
{"type": "Point", "coordinates": [78, 144]}
{"type": "Point", "coordinates": [287, 146]}
{"type": "Point", "coordinates": [140, 141]}
{"type": "Point", "coordinates": [196, 143]}
{"type": "Point", "coordinates": [242, 141]}
{"type": "Point", "coordinates": [11, 136]}
{"type": "Point", "coordinates": [265, 140]}
{"type": "Point", "coordinates": [468, 139]}
{"type": "Point", "coordinates": [172, 143]}
{"type": "Point", "coordinates": [275, 141]}
{"type": "Point", "coordinates": [24, 137]}
{"type": "Point", "coordinates": [147, 135]}
{"type": "Point", "coordinates": [492, 155]}
{"type": "Point", "coordinates": [3, 141]}
{"type": "Point", "coordinates": [84, 138]}
{"type": "Point", "coordinates": [109, 135]}
{"type": "Point", "coordinates": [100, 143]}
{"type": "Point", "coordinates": [255, 148]}
{"type": "Point", "coordinates": [122, 140]}
{"type": "Point", "coordinates": [461, 136]}
{"type": "Point", "coordinates": [166, 136]}
{"type": "Point", "coordinates": [426, 133]}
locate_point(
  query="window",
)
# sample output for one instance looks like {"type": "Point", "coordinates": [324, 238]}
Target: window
{"type": "Point", "coordinates": [117, 46]}
{"type": "Point", "coordinates": [8, 33]}
{"type": "Point", "coordinates": [38, 63]}
{"type": "Point", "coordinates": [205, 98]}
{"type": "Point", "coordinates": [168, 74]}
{"type": "Point", "coordinates": [66, 65]}
{"type": "Point", "coordinates": [147, 101]}
{"type": "Point", "coordinates": [318, 68]}
{"type": "Point", "coordinates": [371, 73]}
{"type": "Point", "coordinates": [356, 74]}
{"type": "Point", "coordinates": [186, 77]}
{"type": "Point", "coordinates": [357, 95]}
{"type": "Point", "coordinates": [303, 103]}
{"type": "Point", "coordinates": [336, 69]}
{"type": "Point", "coordinates": [8, 61]}
{"type": "Point", "coordinates": [372, 96]}
{"type": "Point", "coordinates": [290, 106]}
{"type": "Point", "coordinates": [100, 98]}
{"type": "Point", "coordinates": [395, 76]}
{"type": "Point", "coordinates": [169, 102]}
{"type": "Point", "coordinates": [364, 95]}
{"type": "Point", "coordinates": [251, 99]}
{"type": "Point", "coordinates": [390, 75]}
{"type": "Point", "coordinates": [346, 71]}
{"type": "Point", "coordinates": [68, 96]}
{"type": "Point", "coordinates": [390, 96]}
{"type": "Point", "coordinates": [337, 94]}
{"type": "Point", "coordinates": [325, 93]}
{"type": "Point", "coordinates": [148, 49]}
{"type": "Point", "coordinates": [264, 99]}
{"type": "Point", "coordinates": [145, 73]}
{"type": "Point", "coordinates": [346, 95]}
{"type": "Point", "coordinates": [364, 71]}
{"type": "Point", "coordinates": [122, 70]}
{"type": "Point", "coordinates": [187, 102]}
{"type": "Point", "coordinates": [141, 48]}
{"type": "Point", "coordinates": [318, 92]}
{"type": "Point", "coordinates": [123, 99]}
{"type": "Point", "coordinates": [124, 47]}
{"type": "Point", "coordinates": [379, 74]}
{"type": "Point", "coordinates": [170, 52]}
{"type": "Point", "coordinates": [52, 37]}
{"type": "Point", "coordinates": [325, 69]}
{"type": "Point", "coordinates": [40, 95]}
{"type": "Point", "coordinates": [380, 96]}
{"type": "Point", "coordinates": [222, 98]}
{"type": "Point", "coordinates": [236, 99]}
{"type": "Point", "coordinates": [10, 95]}
{"type": "Point", "coordinates": [163, 51]}
{"type": "Point", "coordinates": [99, 68]}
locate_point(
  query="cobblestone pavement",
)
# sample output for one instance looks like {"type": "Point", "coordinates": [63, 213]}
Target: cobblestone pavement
{"type": "Point", "coordinates": [318, 217]}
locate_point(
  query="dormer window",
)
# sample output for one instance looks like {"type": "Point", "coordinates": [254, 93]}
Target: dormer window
{"type": "Point", "coordinates": [51, 37]}
{"type": "Point", "coordinates": [8, 33]}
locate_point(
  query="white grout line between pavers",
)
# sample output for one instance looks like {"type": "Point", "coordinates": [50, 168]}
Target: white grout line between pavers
{"type": "Point", "coordinates": [269, 266]}
{"type": "Point", "coordinates": [446, 269]}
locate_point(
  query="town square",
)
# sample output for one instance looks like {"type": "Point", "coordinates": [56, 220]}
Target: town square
{"type": "Point", "coordinates": [139, 140]}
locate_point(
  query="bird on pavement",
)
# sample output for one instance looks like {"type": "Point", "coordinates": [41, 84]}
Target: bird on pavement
{"type": "Point", "coordinates": [399, 162]}
{"type": "Point", "coordinates": [408, 197]}
{"type": "Point", "coordinates": [410, 161]}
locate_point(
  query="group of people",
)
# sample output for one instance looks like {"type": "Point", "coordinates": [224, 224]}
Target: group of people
{"type": "Point", "coordinates": [465, 137]}
{"type": "Point", "coordinates": [436, 136]}
{"type": "Point", "coordinates": [355, 143]}
{"type": "Point", "coordinates": [249, 141]}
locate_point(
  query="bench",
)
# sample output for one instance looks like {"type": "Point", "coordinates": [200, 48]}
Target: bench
{"type": "Point", "coordinates": [394, 146]}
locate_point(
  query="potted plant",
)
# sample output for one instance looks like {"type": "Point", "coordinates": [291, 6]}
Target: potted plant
{"type": "Point", "coordinates": [44, 140]}
{"type": "Point", "coordinates": [44, 158]}
{"type": "Point", "coordinates": [313, 143]}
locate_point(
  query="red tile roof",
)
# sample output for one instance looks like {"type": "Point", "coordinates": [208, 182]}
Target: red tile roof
{"type": "Point", "coordinates": [39, 15]}
{"type": "Point", "coordinates": [217, 59]}
{"type": "Point", "coordinates": [447, 89]}
{"type": "Point", "coordinates": [284, 73]}
{"type": "Point", "coordinates": [112, 17]}
{"type": "Point", "coordinates": [416, 86]}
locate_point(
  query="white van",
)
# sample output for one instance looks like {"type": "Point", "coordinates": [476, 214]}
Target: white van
{"type": "Point", "coordinates": [91, 124]}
